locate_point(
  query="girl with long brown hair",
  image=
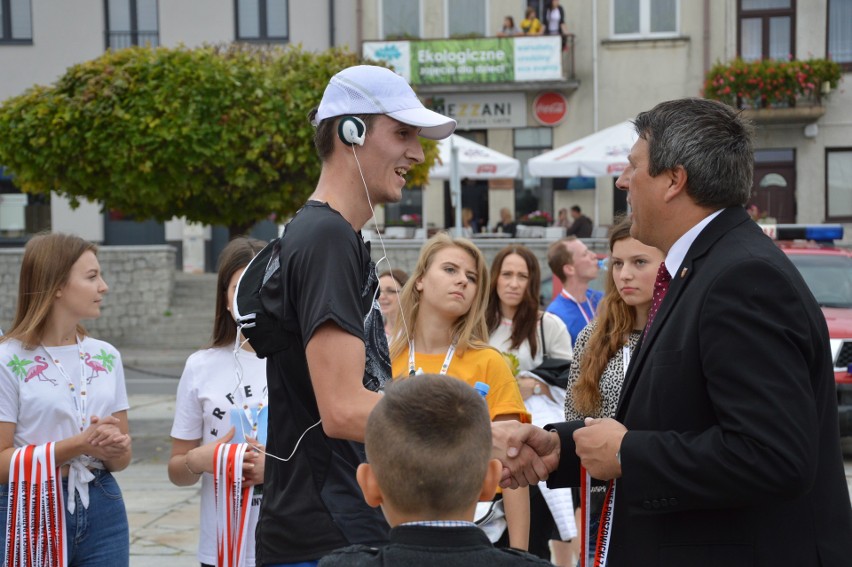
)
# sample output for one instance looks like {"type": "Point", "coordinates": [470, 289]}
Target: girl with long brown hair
{"type": "Point", "coordinates": [603, 349]}
{"type": "Point", "coordinates": [221, 397]}
{"type": "Point", "coordinates": [519, 328]}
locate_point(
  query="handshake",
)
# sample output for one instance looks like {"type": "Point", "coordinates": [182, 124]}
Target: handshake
{"type": "Point", "coordinates": [530, 454]}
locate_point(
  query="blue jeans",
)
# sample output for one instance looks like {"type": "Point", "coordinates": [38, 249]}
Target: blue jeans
{"type": "Point", "coordinates": [98, 536]}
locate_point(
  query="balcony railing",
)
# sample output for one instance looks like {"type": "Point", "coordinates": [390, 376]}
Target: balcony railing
{"type": "Point", "coordinates": [121, 39]}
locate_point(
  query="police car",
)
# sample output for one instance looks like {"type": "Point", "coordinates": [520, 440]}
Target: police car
{"type": "Point", "coordinates": [827, 270]}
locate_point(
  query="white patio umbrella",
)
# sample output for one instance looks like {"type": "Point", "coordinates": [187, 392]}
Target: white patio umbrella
{"type": "Point", "coordinates": [462, 158]}
{"type": "Point", "coordinates": [475, 161]}
{"type": "Point", "coordinates": [601, 154]}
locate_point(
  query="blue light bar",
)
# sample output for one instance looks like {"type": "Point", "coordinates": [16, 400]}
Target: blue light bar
{"type": "Point", "coordinates": [813, 232]}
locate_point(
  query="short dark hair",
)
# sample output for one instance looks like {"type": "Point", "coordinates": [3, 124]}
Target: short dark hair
{"type": "Point", "coordinates": [710, 140]}
{"type": "Point", "coordinates": [558, 255]}
{"type": "Point", "coordinates": [429, 443]}
{"type": "Point", "coordinates": [576, 209]}
{"type": "Point", "coordinates": [327, 131]}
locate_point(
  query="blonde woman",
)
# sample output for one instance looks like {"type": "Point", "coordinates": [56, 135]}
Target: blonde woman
{"type": "Point", "coordinates": [443, 303]}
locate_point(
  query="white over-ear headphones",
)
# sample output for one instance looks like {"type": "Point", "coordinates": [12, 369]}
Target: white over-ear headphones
{"type": "Point", "coordinates": [351, 130]}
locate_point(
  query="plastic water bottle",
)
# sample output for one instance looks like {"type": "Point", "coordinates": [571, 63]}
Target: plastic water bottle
{"type": "Point", "coordinates": [482, 388]}
{"type": "Point", "coordinates": [603, 263]}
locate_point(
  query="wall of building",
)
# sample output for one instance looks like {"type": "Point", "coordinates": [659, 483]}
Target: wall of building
{"type": "Point", "coordinates": [140, 280]}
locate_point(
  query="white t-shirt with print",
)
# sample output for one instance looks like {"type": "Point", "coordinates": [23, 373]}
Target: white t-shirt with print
{"type": "Point", "coordinates": [35, 395]}
{"type": "Point", "coordinates": [206, 393]}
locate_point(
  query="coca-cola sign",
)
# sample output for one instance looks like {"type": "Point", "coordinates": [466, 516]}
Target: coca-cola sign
{"type": "Point", "coordinates": [550, 108]}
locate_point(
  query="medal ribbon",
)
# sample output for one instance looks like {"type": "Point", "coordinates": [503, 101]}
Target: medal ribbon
{"type": "Point", "coordinates": [233, 502]}
{"type": "Point", "coordinates": [35, 530]}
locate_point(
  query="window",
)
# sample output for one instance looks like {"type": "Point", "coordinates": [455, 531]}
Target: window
{"type": "Point", "coordinates": [16, 24]}
{"type": "Point", "coordinates": [131, 22]}
{"type": "Point", "coordinates": [645, 18]}
{"type": "Point", "coordinates": [529, 193]}
{"type": "Point", "coordinates": [400, 19]}
{"type": "Point", "coordinates": [766, 29]}
{"type": "Point", "coordinates": [466, 18]}
{"type": "Point", "coordinates": [840, 32]}
{"type": "Point", "coordinates": [263, 20]}
{"type": "Point", "coordinates": [838, 173]}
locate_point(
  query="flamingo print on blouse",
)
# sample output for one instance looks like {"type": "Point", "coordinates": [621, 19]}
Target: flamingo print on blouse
{"type": "Point", "coordinates": [101, 362]}
{"type": "Point", "coordinates": [38, 371]}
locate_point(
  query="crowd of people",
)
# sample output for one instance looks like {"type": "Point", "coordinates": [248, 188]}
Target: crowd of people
{"type": "Point", "coordinates": [414, 419]}
{"type": "Point", "coordinates": [552, 24]}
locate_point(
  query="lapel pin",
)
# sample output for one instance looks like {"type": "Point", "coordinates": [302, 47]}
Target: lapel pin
{"type": "Point", "coordinates": [683, 273]}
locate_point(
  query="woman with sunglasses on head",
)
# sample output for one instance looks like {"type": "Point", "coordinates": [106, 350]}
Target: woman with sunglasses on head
{"type": "Point", "coordinates": [390, 284]}
{"type": "Point", "coordinates": [63, 416]}
{"type": "Point", "coordinates": [222, 398]}
{"type": "Point", "coordinates": [443, 304]}
{"type": "Point", "coordinates": [518, 327]}
{"type": "Point", "coordinates": [603, 349]}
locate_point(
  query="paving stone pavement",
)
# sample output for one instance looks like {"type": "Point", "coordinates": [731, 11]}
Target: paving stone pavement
{"type": "Point", "coordinates": [163, 518]}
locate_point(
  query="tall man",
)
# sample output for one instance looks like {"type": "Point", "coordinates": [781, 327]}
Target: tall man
{"type": "Point", "coordinates": [368, 124]}
{"type": "Point", "coordinates": [725, 447]}
{"type": "Point", "coordinates": [575, 266]}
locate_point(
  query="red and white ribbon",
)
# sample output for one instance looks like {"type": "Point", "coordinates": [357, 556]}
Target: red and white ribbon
{"type": "Point", "coordinates": [35, 519]}
{"type": "Point", "coordinates": [605, 526]}
{"type": "Point", "coordinates": [233, 502]}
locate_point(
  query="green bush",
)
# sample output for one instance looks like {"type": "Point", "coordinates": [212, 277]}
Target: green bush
{"type": "Point", "coordinates": [217, 134]}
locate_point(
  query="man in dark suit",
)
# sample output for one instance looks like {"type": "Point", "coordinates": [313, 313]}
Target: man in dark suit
{"type": "Point", "coordinates": [725, 448]}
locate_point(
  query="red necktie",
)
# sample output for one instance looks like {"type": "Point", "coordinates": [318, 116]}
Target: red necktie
{"type": "Point", "coordinates": [661, 286]}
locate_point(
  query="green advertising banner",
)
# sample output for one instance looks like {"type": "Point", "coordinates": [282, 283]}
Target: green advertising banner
{"type": "Point", "coordinates": [487, 60]}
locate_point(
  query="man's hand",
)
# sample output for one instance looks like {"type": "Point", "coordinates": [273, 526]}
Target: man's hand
{"type": "Point", "coordinates": [598, 445]}
{"type": "Point", "coordinates": [528, 453]}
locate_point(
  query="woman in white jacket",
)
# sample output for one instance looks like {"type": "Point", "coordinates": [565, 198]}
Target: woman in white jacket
{"type": "Point", "coordinates": [516, 327]}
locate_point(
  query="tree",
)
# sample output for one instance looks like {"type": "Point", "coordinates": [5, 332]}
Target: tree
{"type": "Point", "coordinates": [217, 134]}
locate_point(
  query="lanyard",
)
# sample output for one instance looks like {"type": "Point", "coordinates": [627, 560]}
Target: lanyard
{"type": "Point", "coordinates": [587, 316]}
{"type": "Point", "coordinates": [444, 367]}
{"type": "Point", "coordinates": [79, 401]}
{"type": "Point", "coordinates": [253, 415]}
{"type": "Point", "coordinates": [625, 358]}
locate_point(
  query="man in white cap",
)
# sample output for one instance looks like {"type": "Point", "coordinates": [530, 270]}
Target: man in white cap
{"type": "Point", "coordinates": [324, 384]}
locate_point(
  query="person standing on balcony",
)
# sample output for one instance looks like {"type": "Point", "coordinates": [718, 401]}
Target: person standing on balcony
{"type": "Point", "coordinates": [531, 25]}
{"type": "Point", "coordinates": [554, 21]}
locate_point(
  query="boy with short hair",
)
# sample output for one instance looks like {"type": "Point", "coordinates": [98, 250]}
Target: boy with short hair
{"type": "Point", "coordinates": [429, 459]}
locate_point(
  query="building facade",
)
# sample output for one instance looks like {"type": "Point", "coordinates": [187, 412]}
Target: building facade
{"type": "Point", "coordinates": [521, 96]}
{"type": "Point", "coordinates": [39, 39]}
{"type": "Point", "coordinates": [622, 58]}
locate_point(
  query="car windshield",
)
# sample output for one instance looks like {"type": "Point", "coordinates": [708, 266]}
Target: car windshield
{"type": "Point", "coordinates": [828, 277]}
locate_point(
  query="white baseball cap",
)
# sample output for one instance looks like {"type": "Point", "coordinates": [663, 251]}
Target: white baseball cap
{"type": "Point", "coordinates": [367, 89]}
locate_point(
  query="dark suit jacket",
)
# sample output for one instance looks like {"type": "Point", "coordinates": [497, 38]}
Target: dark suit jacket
{"type": "Point", "coordinates": [732, 455]}
{"type": "Point", "coordinates": [581, 227]}
{"type": "Point", "coordinates": [428, 546]}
